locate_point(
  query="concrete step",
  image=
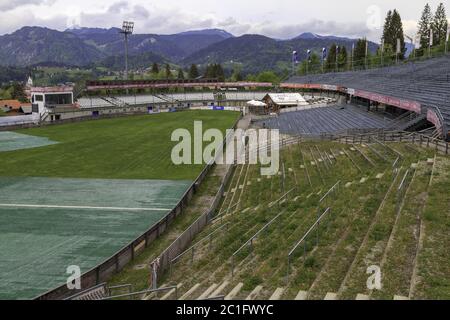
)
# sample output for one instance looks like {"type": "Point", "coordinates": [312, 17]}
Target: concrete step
{"type": "Point", "coordinates": [190, 292]}
{"type": "Point", "coordinates": [208, 292]}
{"type": "Point", "coordinates": [277, 294]}
{"type": "Point", "coordinates": [219, 289]}
{"type": "Point", "coordinates": [233, 293]}
{"type": "Point", "coordinates": [330, 296]}
{"type": "Point", "coordinates": [254, 293]}
{"type": "Point", "coordinates": [398, 298]}
{"type": "Point", "coordinates": [362, 297]}
{"type": "Point", "coordinates": [171, 292]}
{"type": "Point", "coordinates": [302, 295]}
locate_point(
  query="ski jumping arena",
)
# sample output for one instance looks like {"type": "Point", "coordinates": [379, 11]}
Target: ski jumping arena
{"type": "Point", "coordinates": [53, 218]}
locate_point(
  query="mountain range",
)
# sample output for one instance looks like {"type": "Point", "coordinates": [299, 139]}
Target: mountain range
{"type": "Point", "coordinates": [82, 47]}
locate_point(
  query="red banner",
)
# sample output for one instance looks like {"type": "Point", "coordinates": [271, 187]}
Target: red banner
{"type": "Point", "coordinates": [181, 85]}
{"type": "Point", "coordinates": [434, 119]}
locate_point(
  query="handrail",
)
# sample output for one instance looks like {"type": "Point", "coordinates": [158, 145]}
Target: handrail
{"type": "Point", "coordinates": [199, 242]}
{"type": "Point", "coordinates": [441, 119]}
{"type": "Point", "coordinates": [143, 292]}
{"type": "Point", "coordinates": [308, 232]}
{"type": "Point", "coordinates": [250, 241]}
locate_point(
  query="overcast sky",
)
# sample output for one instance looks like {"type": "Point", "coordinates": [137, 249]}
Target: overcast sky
{"type": "Point", "coordinates": [275, 18]}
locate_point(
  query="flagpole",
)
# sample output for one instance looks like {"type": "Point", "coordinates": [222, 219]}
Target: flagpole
{"type": "Point", "coordinates": [431, 43]}
{"type": "Point", "coordinates": [446, 41]}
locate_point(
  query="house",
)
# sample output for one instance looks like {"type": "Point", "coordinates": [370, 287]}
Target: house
{"type": "Point", "coordinates": [277, 101]}
{"type": "Point", "coordinates": [15, 107]}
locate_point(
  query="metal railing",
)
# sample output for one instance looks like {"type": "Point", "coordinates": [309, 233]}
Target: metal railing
{"type": "Point", "coordinates": [144, 292]}
{"type": "Point", "coordinates": [250, 241]}
{"type": "Point", "coordinates": [303, 240]}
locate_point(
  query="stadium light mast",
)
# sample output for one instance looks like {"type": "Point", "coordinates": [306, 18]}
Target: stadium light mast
{"type": "Point", "coordinates": [127, 30]}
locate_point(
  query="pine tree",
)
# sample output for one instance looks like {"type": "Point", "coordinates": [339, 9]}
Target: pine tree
{"type": "Point", "coordinates": [155, 68]}
{"type": "Point", "coordinates": [331, 58]}
{"type": "Point", "coordinates": [396, 30]}
{"type": "Point", "coordinates": [387, 37]}
{"type": "Point", "coordinates": [359, 55]}
{"type": "Point", "coordinates": [220, 74]}
{"type": "Point", "coordinates": [342, 57]}
{"type": "Point", "coordinates": [193, 72]}
{"type": "Point", "coordinates": [180, 74]}
{"type": "Point", "coordinates": [424, 27]}
{"type": "Point", "coordinates": [168, 72]}
{"type": "Point", "coordinates": [439, 25]}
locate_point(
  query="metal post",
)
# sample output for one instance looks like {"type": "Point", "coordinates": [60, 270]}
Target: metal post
{"type": "Point", "coordinates": [126, 56]}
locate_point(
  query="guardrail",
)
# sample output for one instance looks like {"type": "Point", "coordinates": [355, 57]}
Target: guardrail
{"type": "Point", "coordinates": [384, 136]}
{"type": "Point", "coordinates": [303, 240]}
{"type": "Point", "coordinates": [117, 262]}
{"type": "Point", "coordinates": [143, 292]}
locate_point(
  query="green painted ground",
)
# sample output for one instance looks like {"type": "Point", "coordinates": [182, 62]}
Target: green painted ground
{"type": "Point", "coordinates": [10, 141]}
{"type": "Point", "coordinates": [137, 147]}
{"type": "Point", "coordinates": [47, 225]}
{"type": "Point", "coordinates": [81, 200]}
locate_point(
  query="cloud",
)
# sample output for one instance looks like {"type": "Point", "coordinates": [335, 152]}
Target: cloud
{"type": "Point", "coordinates": [7, 5]}
{"type": "Point", "coordinates": [167, 19]}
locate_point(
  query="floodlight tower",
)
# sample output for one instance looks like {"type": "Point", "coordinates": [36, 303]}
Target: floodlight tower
{"type": "Point", "coordinates": [127, 30]}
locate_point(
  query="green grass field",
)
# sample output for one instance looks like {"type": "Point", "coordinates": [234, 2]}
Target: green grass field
{"type": "Point", "coordinates": [79, 201]}
{"type": "Point", "coordinates": [137, 147]}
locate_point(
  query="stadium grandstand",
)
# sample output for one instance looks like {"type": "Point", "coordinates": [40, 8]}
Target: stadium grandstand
{"type": "Point", "coordinates": [421, 87]}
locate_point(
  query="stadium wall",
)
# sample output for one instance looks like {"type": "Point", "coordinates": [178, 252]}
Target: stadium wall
{"type": "Point", "coordinates": [117, 262]}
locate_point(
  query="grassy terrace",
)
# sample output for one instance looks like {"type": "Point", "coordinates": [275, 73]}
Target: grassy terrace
{"type": "Point", "coordinates": [370, 224]}
{"type": "Point", "coordinates": [136, 147]}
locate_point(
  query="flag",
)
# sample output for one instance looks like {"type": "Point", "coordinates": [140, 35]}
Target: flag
{"type": "Point", "coordinates": [399, 45]}
{"type": "Point", "coordinates": [324, 53]}
{"type": "Point", "coordinates": [431, 37]}
{"type": "Point", "coordinates": [308, 54]}
{"type": "Point", "coordinates": [294, 57]}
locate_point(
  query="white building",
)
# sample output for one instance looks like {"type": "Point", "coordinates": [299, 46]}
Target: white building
{"type": "Point", "coordinates": [45, 98]}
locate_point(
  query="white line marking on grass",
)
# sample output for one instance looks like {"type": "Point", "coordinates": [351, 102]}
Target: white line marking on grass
{"type": "Point", "coordinates": [15, 205]}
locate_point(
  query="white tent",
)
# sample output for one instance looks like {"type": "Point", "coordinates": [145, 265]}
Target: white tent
{"type": "Point", "coordinates": [255, 103]}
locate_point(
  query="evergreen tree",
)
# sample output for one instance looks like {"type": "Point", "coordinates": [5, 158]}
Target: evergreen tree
{"type": "Point", "coordinates": [18, 92]}
{"type": "Point", "coordinates": [168, 72]}
{"type": "Point", "coordinates": [331, 58]}
{"type": "Point", "coordinates": [440, 25]}
{"type": "Point", "coordinates": [219, 73]}
{"type": "Point", "coordinates": [396, 30]}
{"type": "Point", "coordinates": [155, 68]}
{"type": "Point", "coordinates": [393, 30]}
{"type": "Point", "coordinates": [342, 58]}
{"type": "Point", "coordinates": [359, 55]}
{"type": "Point", "coordinates": [424, 27]}
{"type": "Point", "coordinates": [387, 37]}
{"type": "Point", "coordinates": [180, 74]}
{"type": "Point", "coordinates": [314, 65]}
{"type": "Point", "coordinates": [193, 72]}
